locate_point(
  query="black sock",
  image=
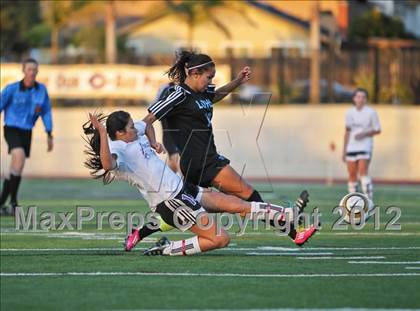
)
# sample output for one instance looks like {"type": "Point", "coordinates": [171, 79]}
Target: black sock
{"type": "Point", "coordinates": [255, 197]}
{"type": "Point", "coordinates": [14, 188]}
{"type": "Point", "coordinates": [145, 231]}
{"type": "Point", "coordinates": [5, 192]}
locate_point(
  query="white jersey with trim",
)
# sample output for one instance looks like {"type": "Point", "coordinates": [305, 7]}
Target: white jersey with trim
{"type": "Point", "coordinates": [358, 121]}
{"type": "Point", "coordinates": [138, 164]}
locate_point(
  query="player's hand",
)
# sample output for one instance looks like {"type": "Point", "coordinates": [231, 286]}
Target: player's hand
{"type": "Point", "coordinates": [244, 75]}
{"type": "Point", "coordinates": [96, 124]}
{"type": "Point", "coordinates": [360, 136]}
{"type": "Point", "coordinates": [158, 147]}
{"type": "Point", "coordinates": [50, 143]}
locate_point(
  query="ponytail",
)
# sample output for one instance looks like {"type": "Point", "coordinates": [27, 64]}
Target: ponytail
{"type": "Point", "coordinates": [92, 151]}
{"type": "Point", "coordinates": [186, 61]}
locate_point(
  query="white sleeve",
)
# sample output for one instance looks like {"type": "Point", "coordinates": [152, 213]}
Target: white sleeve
{"type": "Point", "coordinates": [115, 147]}
{"type": "Point", "coordinates": [140, 127]}
{"type": "Point", "coordinates": [375, 121]}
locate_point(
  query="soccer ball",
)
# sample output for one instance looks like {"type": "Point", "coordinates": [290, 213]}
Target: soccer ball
{"type": "Point", "coordinates": [357, 206]}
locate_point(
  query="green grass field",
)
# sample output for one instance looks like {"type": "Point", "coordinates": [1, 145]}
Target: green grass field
{"type": "Point", "coordinates": [88, 270]}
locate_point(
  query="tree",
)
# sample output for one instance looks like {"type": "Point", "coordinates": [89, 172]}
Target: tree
{"type": "Point", "coordinates": [376, 24]}
{"type": "Point", "coordinates": [192, 13]}
{"type": "Point", "coordinates": [105, 10]}
{"type": "Point", "coordinates": [56, 14]}
{"type": "Point", "coordinates": [17, 21]}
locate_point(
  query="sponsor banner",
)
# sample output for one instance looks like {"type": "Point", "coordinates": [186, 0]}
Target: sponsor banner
{"type": "Point", "coordinates": [101, 81]}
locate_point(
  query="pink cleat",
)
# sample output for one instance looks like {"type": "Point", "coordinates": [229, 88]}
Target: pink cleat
{"type": "Point", "coordinates": [132, 239]}
{"type": "Point", "coordinates": [303, 236]}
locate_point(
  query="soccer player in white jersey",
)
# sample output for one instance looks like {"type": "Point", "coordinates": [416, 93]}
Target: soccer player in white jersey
{"type": "Point", "coordinates": [362, 123]}
{"type": "Point", "coordinates": [124, 149]}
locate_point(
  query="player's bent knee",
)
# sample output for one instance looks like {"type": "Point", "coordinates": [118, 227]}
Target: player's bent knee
{"type": "Point", "coordinates": [222, 240]}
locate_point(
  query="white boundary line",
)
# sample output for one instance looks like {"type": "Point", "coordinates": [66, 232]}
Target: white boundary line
{"type": "Point", "coordinates": [413, 268]}
{"type": "Point", "coordinates": [62, 249]}
{"type": "Point", "coordinates": [329, 233]}
{"type": "Point", "coordinates": [320, 275]}
{"type": "Point", "coordinates": [281, 309]}
{"type": "Point", "coordinates": [305, 251]}
{"type": "Point", "coordinates": [386, 262]}
{"type": "Point", "coordinates": [345, 258]}
{"type": "Point", "coordinates": [287, 254]}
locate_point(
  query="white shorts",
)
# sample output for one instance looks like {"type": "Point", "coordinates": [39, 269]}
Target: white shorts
{"type": "Point", "coordinates": [358, 155]}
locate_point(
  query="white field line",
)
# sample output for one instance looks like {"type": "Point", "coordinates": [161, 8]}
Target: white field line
{"type": "Point", "coordinates": [233, 234]}
{"type": "Point", "coordinates": [281, 309]}
{"type": "Point", "coordinates": [343, 258]}
{"type": "Point", "coordinates": [183, 274]}
{"type": "Point", "coordinates": [413, 268]}
{"type": "Point", "coordinates": [287, 254]}
{"type": "Point", "coordinates": [63, 249]}
{"type": "Point", "coordinates": [385, 262]}
{"type": "Point", "coordinates": [293, 250]}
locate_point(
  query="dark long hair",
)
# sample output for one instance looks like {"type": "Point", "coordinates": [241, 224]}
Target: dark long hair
{"type": "Point", "coordinates": [116, 121]}
{"type": "Point", "coordinates": [188, 59]}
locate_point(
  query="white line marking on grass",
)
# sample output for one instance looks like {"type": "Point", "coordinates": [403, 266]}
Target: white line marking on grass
{"type": "Point", "coordinates": [281, 309]}
{"type": "Point", "coordinates": [176, 233]}
{"type": "Point", "coordinates": [183, 274]}
{"type": "Point", "coordinates": [293, 249]}
{"type": "Point", "coordinates": [346, 258]}
{"type": "Point", "coordinates": [386, 262]}
{"type": "Point", "coordinates": [62, 249]}
{"type": "Point", "coordinates": [413, 268]}
{"type": "Point", "coordinates": [287, 254]}
{"type": "Point", "coordinates": [288, 250]}
{"type": "Point", "coordinates": [373, 233]}
{"type": "Point", "coordinates": [303, 249]}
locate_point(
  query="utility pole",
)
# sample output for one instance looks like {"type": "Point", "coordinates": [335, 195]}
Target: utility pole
{"type": "Point", "coordinates": [315, 39]}
{"type": "Point", "coordinates": [110, 36]}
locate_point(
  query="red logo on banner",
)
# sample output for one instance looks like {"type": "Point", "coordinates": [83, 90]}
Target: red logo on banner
{"type": "Point", "coordinates": [97, 81]}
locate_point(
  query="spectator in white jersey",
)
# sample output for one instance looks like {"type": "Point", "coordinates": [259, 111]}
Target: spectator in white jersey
{"type": "Point", "coordinates": [123, 149]}
{"type": "Point", "coordinates": [362, 123]}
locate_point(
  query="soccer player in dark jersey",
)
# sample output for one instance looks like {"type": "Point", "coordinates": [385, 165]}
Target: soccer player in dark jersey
{"type": "Point", "coordinates": [188, 111]}
{"type": "Point", "coordinates": [167, 139]}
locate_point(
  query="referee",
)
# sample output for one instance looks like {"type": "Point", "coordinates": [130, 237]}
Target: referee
{"type": "Point", "coordinates": [23, 102]}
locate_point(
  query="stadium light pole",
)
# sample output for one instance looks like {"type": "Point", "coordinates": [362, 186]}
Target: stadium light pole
{"type": "Point", "coordinates": [315, 39]}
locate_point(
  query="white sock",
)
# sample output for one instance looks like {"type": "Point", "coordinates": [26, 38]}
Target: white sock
{"type": "Point", "coordinates": [367, 187]}
{"type": "Point", "coordinates": [260, 210]}
{"type": "Point", "coordinates": [352, 186]}
{"type": "Point", "coordinates": [183, 247]}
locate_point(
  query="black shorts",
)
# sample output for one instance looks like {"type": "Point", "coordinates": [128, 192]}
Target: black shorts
{"type": "Point", "coordinates": [182, 211]}
{"type": "Point", "coordinates": [358, 155]}
{"type": "Point", "coordinates": [203, 176]}
{"type": "Point", "coordinates": [18, 138]}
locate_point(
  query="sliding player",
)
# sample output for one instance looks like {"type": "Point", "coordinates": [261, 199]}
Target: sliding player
{"type": "Point", "coordinates": [124, 149]}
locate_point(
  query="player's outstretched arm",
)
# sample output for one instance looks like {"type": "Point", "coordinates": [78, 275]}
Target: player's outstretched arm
{"type": "Point", "coordinates": [243, 76]}
{"type": "Point", "coordinates": [150, 132]}
{"type": "Point", "coordinates": [108, 162]}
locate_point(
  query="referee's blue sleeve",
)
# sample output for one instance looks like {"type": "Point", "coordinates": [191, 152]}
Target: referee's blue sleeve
{"type": "Point", "coordinates": [5, 98]}
{"type": "Point", "coordinates": [46, 114]}
{"type": "Point", "coordinates": [160, 108]}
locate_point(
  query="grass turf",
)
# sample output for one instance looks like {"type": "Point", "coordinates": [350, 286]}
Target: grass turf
{"type": "Point", "coordinates": [258, 270]}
